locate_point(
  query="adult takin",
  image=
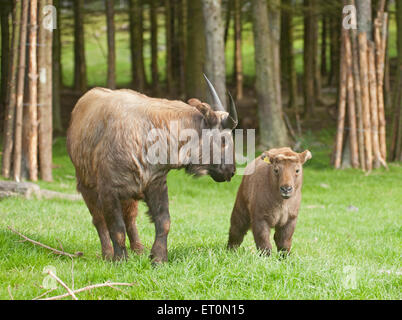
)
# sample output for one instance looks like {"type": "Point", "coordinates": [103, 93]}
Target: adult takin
{"type": "Point", "coordinates": [269, 197]}
{"type": "Point", "coordinates": [109, 145]}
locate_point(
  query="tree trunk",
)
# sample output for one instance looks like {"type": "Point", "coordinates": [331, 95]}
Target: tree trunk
{"type": "Point", "coordinates": [274, 21]}
{"type": "Point", "coordinates": [215, 47]}
{"type": "Point", "coordinates": [324, 36]}
{"type": "Point", "coordinates": [354, 155]}
{"type": "Point", "coordinates": [5, 7]}
{"type": "Point", "coordinates": [45, 96]}
{"type": "Point", "coordinates": [182, 39]}
{"type": "Point", "coordinates": [364, 17]}
{"type": "Point", "coordinates": [169, 46]}
{"type": "Point", "coordinates": [310, 54]}
{"type": "Point", "coordinates": [229, 6]}
{"type": "Point", "coordinates": [136, 45]}
{"type": "Point", "coordinates": [80, 72]}
{"type": "Point", "coordinates": [334, 50]}
{"type": "Point", "coordinates": [33, 93]}
{"type": "Point", "coordinates": [396, 145]}
{"type": "Point", "coordinates": [20, 92]}
{"type": "Point", "coordinates": [238, 50]}
{"type": "Point", "coordinates": [111, 52]}
{"type": "Point", "coordinates": [154, 47]}
{"type": "Point", "coordinates": [287, 53]}
{"type": "Point", "coordinates": [195, 51]}
{"type": "Point", "coordinates": [57, 77]}
{"type": "Point", "coordinates": [272, 127]}
{"type": "Point", "coordinates": [8, 137]}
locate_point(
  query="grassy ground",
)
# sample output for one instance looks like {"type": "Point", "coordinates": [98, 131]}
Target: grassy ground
{"type": "Point", "coordinates": [338, 253]}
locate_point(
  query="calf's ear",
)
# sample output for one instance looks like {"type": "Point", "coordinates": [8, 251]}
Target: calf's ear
{"type": "Point", "coordinates": [266, 157]}
{"type": "Point", "coordinates": [304, 156]}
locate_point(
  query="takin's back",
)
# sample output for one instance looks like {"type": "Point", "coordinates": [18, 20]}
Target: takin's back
{"type": "Point", "coordinates": [108, 129]}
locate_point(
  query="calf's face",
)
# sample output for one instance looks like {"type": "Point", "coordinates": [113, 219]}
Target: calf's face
{"type": "Point", "coordinates": [285, 170]}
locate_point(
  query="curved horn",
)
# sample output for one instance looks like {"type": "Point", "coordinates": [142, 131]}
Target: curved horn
{"type": "Point", "coordinates": [215, 98]}
{"type": "Point", "coordinates": [231, 121]}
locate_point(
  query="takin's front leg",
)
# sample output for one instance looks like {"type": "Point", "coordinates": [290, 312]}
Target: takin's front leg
{"type": "Point", "coordinates": [157, 200]}
{"type": "Point", "coordinates": [283, 236]}
{"type": "Point", "coordinates": [261, 232]}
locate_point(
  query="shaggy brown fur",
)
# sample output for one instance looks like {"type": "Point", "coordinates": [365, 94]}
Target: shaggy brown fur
{"type": "Point", "coordinates": [107, 143]}
{"type": "Point", "coordinates": [269, 198]}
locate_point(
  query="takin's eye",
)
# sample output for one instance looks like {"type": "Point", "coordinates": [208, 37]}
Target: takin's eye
{"type": "Point", "coordinates": [297, 170]}
{"type": "Point", "coordinates": [276, 171]}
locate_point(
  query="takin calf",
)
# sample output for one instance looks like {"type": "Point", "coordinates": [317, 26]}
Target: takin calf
{"type": "Point", "coordinates": [269, 198]}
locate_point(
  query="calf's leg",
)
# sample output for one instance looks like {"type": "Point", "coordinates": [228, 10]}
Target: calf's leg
{"type": "Point", "coordinates": [130, 211]}
{"type": "Point", "coordinates": [239, 225]}
{"type": "Point", "coordinates": [156, 198]}
{"type": "Point", "coordinates": [283, 236]}
{"type": "Point", "coordinates": [261, 232]}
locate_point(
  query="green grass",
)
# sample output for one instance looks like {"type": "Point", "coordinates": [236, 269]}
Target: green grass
{"type": "Point", "coordinates": [328, 239]}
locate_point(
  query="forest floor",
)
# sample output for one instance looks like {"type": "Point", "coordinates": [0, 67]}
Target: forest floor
{"type": "Point", "coordinates": [347, 243]}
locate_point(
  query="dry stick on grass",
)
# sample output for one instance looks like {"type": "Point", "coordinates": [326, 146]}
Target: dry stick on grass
{"type": "Point", "coordinates": [341, 107]}
{"type": "Point", "coordinates": [94, 286]}
{"type": "Point", "coordinates": [9, 292]}
{"type": "Point", "coordinates": [77, 254]}
{"type": "Point", "coordinates": [43, 294]}
{"type": "Point", "coordinates": [354, 155]}
{"type": "Point", "coordinates": [364, 84]}
{"type": "Point", "coordinates": [70, 292]}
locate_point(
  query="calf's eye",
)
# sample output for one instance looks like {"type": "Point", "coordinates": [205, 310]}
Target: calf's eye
{"type": "Point", "coordinates": [276, 170]}
{"type": "Point", "coordinates": [297, 170]}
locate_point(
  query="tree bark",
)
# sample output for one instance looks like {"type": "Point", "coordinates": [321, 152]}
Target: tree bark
{"type": "Point", "coordinates": [80, 72]}
{"type": "Point", "coordinates": [324, 36]}
{"type": "Point", "coordinates": [8, 137]}
{"type": "Point", "coordinates": [272, 127]}
{"type": "Point", "coordinates": [33, 93]}
{"type": "Point", "coordinates": [20, 92]}
{"type": "Point", "coordinates": [169, 47]}
{"type": "Point", "coordinates": [362, 39]}
{"type": "Point", "coordinates": [195, 51]}
{"type": "Point", "coordinates": [215, 47]}
{"type": "Point", "coordinates": [154, 47]}
{"type": "Point", "coordinates": [310, 54]}
{"type": "Point", "coordinates": [374, 105]}
{"type": "Point", "coordinates": [287, 53]}
{"type": "Point", "coordinates": [136, 45]}
{"type": "Point", "coordinates": [182, 39]}
{"type": "Point", "coordinates": [111, 52]}
{"type": "Point", "coordinates": [45, 96]}
{"type": "Point", "coordinates": [5, 7]}
{"type": "Point", "coordinates": [364, 17]}
{"type": "Point", "coordinates": [238, 49]}
{"type": "Point", "coordinates": [354, 157]}
{"type": "Point", "coordinates": [57, 72]}
{"type": "Point", "coordinates": [396, 141]}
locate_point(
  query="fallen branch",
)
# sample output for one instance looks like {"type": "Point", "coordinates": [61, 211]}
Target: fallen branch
{"type": "Point", "coordinates": [55, 251]}
{"type": "Point", "coordinates": [70, 292]}
{"type": "Point", "coordinates": [94, 286]}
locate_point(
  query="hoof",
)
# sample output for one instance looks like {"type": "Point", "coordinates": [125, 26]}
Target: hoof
{"type": "Point", "coordinates": [138, 248]}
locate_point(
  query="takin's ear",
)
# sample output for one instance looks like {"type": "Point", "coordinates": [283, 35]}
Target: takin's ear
{"type": "Point", "coordinates": [304, 156]}
{"type": "Point", "coordinates": [210, 117]}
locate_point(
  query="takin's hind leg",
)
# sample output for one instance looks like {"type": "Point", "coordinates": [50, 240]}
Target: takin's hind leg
{"type": "Point", "coordinates": [239, 225]}
{"type": "Point", "coordinates": [99, 222]}
{"type": "Point", "coordinates": [130, 211]}
{"type": "Point", "coordinates": [112, 211]}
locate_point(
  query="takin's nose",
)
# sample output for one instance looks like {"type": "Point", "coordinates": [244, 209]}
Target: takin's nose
{"type": "Point", "coordinates": [286, 190]}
